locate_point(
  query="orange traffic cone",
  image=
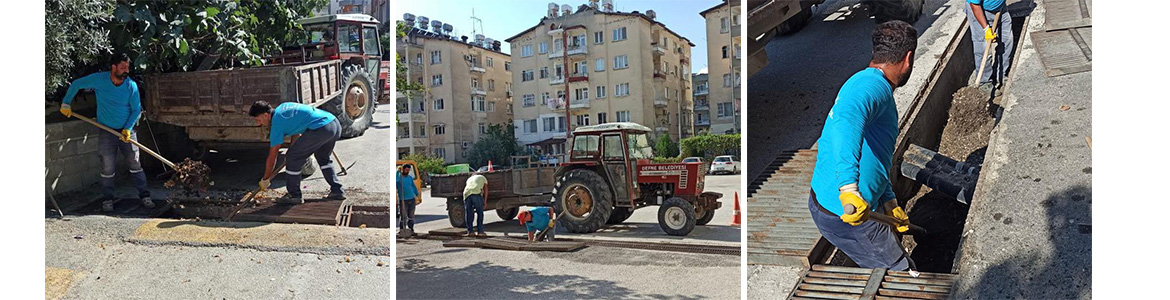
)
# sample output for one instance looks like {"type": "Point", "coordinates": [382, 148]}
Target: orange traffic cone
{"type": "Point", "coordinates": [490, 166]}
{"type": "Point", "coordinates": [735, 219]}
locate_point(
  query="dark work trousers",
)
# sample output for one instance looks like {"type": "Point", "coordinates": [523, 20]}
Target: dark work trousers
{"type": "Point", "coordinates": [871, 244]}
{"type": "Point", "coordinates": [318, 143]}
{"type": "Point", "coordinates": [1001, 55]}
{"type": "Point", "coordinates": [109, 145]}
{"type": "Point", "coordinates": [473, 207]}
{"type": "Point", "coordinates": [408, 217]}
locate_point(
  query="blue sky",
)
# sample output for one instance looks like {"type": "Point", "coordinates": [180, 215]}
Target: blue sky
{"type": "Point", "coordinates": [504, 18]}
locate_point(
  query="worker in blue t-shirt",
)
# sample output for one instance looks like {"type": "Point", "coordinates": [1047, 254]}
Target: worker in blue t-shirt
{"type": "Point", "coordinates": [313, 131]}
{"type": "Point", "coordinates": [981, 16]}
{"type": "Point", "coordinates": [855, 151]}
{"type": "Point", "coordinates": [538, 219]}
{"type": "Point", "coordinates": [118, 107]}
{"type": "Point", "coordinates": [408, 197]}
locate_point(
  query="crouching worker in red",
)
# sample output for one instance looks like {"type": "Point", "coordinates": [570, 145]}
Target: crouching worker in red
{"type": "Point", "coordinates": [538, 219]}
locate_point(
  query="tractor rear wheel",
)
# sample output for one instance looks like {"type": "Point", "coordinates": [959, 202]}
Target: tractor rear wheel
{"type": "Point", "coordinates": [456, 214]}
{"type": "Point", "coordinates": [619, 215]}
{"type": "Point", "coordinates": [354, 108]}
{"type": "Point", "coordinates": [582, 201]}
{"type": "Point", "coordinates": [507, 214]}
{"type": "Point", "coordinates": [676, 216]}
{"type": "Point", "coordinates": [703, 215]}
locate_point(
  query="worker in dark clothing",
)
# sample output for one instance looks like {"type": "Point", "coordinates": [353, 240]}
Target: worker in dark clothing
{"type": "Point", "coordinates": [981, 15]}
{"type": "Point", "coordinates": [313, 131]}
{"type": "Point", "coordinates": [855, 152]}
{"type": "Point", "coordinates": [119, 106]}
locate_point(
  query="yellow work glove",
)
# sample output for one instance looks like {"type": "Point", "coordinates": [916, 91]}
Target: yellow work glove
{"type": "Point", "coordinates": [417, 200]}
{"type": "Point", "coordinates": [264, 183]}
{"type": "Point", "coordinates": [900, 215]}
{"type": "Point", "coordinates": [850, 196]}
{"type": "Point", "coordinates": [66, 110]}
{"type": "Point", "coordinates": [988, 34]}
{"type": "Point", "coordinates": [125, 135]}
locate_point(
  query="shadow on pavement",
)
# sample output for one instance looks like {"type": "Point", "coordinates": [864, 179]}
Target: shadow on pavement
{"type": "Point", "coordinates": [419, 280]}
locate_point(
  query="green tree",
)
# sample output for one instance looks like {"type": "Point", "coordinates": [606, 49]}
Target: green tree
{"type": "Point", "coordinates": [76, 41]}
{"type": "Point", "coordinates": [665, 147]}
{"type": "Point", "coordinates": [498, 146]}
{"type": "Point", "coordinates": [709, 145]}
{"type": "Point", "coordinates": [426, 163]}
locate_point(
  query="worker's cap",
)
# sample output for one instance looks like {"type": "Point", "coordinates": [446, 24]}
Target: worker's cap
{"type": "Point", "coordinates": [524, 217]}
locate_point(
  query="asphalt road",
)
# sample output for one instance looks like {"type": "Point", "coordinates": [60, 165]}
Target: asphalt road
{"type": "Point", "coordinates": [641, 226]}
{"type": "Point", "coordinates": [789, 99]}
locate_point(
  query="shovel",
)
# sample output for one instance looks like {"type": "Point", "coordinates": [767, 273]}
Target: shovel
{"type": "Point", "coordinates": [987, 50]}
{"type": "Point", "coordinates": [247, 199]}
{"type": "Point", "coordinates": [883, 218]}
{"type": "Point", "coordinates": [140, 146]}
{"type": "Point", "coordinates": [405, 232]}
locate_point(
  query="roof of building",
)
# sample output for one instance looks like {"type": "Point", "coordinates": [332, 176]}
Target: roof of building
{"type": "Point", "coordinates": [419, 33]}
{"type": "Point", "coordinates": [704, 12]}
{"type": "Point", "coordinates": [616, 13]}
{"type": "Point", "coordinates": [342, 17]}
{"type": "Point", "coordinates": [612, 126]}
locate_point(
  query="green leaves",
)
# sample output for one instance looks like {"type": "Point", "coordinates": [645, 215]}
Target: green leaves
{"type": "Point", "coordinates": [709, 145]}
{"type": "Point", "coordinates": [665, 147]}
{"type": "Point", "coordinates": [498, 146]}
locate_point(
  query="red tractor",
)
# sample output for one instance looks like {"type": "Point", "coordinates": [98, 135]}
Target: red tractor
{"type": "Point", "coordinates": [609, 174]}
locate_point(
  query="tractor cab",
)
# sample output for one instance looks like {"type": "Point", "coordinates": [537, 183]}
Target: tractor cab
{"type": "Point", "coordinates": [349, 37]}
{"type": "Point", "coordinates": [609, 174]}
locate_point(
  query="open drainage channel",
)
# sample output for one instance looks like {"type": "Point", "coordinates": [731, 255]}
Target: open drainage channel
{"type": "Point", "coordinates": [219, 205]}
{"type": "Point", "coordinates": [449, 235]}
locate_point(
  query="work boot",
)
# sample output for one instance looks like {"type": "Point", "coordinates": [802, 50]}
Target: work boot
{"type": "Point", "coordinates": [147, 202]}
{"type": "Point", "coordinates": [986, 88]}
{"type": "Point", "coordinates": [286, 199]}
{"type": "Point", "coordinates": [335, 196]}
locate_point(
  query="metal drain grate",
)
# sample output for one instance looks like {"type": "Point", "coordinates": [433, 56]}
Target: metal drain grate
{"type": "Point", "coordinates": [833, 282]}
{"type": "Point", "coordinates": [780, 228]}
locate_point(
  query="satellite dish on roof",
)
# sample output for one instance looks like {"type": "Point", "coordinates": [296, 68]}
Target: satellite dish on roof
{"type": "Point", "coordinates": [408, 17]}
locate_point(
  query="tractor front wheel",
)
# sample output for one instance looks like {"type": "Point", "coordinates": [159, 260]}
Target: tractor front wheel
{"type": "Point", "coordinates": [676, 217]}
{"type": "Point", "coordinates": [582, 201]}
{"type": "Point", "coordinates": [507, 214]}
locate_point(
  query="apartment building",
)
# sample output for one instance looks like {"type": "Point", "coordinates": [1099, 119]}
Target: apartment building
{"type": "Point", "coordinates": [622, 67]}
{"type": "Point", "coordinates": [723, 66]}
{"type": "Point", "coordinates": [702, 106]}
{"type": "Point", "coordinates": [466, 85]}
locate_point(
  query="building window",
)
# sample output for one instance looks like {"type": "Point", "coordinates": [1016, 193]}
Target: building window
{"type": "Point", "coordinates": [482, 128]}
{"type": "Point", "coordinates": [477, 103]}
{"type": "Point", "coordinates": [724, 51]}
{"type": "Point", "coordinates": [438, 104]}
{"type": "Point", "coordinates": [489, 61]}
{"type": "Point", "coordinates": [530, 126]}
{"type": "Point", "coordinates": [526, 50]}
{"type": "Point", "coordinates": [526, 76]}
{"type": "Point", "coordinates": [508, 87]}
{"type": "Point", "coordinates": [507, 66]}
{"type": "Point", "coordinates": [601, 91]}
{"type": "Point", "coordinates": [418, 58]}
{"type": "Point", "coordinates": [474, 84]}
{"type": "Point", "coordinates": [529, 100]}
{"type": "Point", "coordinates": [581, 93]}
{"type": "Point", "coordinates": [560, 97]}
{"type": "Point", "coordinates": [601, 118]}
{"type": "Point", "coordinates": [543, 72]}
{"type": "Point", "coordinates": [437, 80]}
{"type": "Point", "coordinates": [544, 99]}
{"type": "Point", "coordinates": [734, 19]}
{"type": "Point", "coordinates": [619, 34]}
{"type": "Point", "coordinates": [723, 28]}
{"type": "Point", "coordinates": [621, 89]}
{"type": "Point", "coordinates": [491, 106]}
{"type": "Point", "coordinates": [491, 84]}
{"type": "Point", "coordinates": [620, 62]}
{"type": "Point", "coordinates": [725, 109]}
{"type": "Point", "coordinates": [598, 37]}
{"type": "Point", "coordinates": [599, 65]}
{"type": "Point", "coordinates": [582, 120]}
{"type": "Point", "coordinates": [543, 48]}
{"type": "Point", "coordinates": [550, 124]}
{"type": "Point", "coordinates": [436, 57]}
{"type": "Point", "coordinates": [440, 129]}
{"type": "Point", "coordinates": [581, 68]}
{"type": "Point", "coordinates": [623, 116]}
{"type": "Point", "coordinates": [441, 153]}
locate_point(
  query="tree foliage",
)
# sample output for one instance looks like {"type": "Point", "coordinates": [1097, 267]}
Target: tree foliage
{"type": "Point", "coordinates": [665, 147]}
{"type": "Point", "coordinates": [402, 83]}
{"type": "Point", "coordinates": [498, 146]}
{"type": "Point", "coordinates": [426, 163]}
{"type": "Point", "coordinates": [76, 41]}
{"type": "Point", "coordinates": [709, 145]}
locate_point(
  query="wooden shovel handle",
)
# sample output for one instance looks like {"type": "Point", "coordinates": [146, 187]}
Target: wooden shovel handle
{"type": "Point", "coordinates": [987, 49]}
{"type": "Point", "coordinates": [140, 146]}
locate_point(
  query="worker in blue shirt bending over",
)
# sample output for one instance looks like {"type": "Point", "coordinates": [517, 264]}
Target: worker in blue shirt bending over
{"type": "Point", "coordinates": [313, 131]}
{"type": "Point", "coordinates": [855, 151]}
{"type": "Point", "coordinates": [539, 219]}
{"type": "Point", "coordinates": [981, 16]}
{"type": "Point", "coordinates": [118, 107]}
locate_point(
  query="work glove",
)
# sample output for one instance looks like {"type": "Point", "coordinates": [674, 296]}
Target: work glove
{"type": "Point", "coordinates": [66, 110]}
{"type": "Point", "coordinates": [264, 183]}
{"type": "Point", "coordinates": [417, 200]}
{"type": "Point", "coordinates": [988, 34]}
{"type": "Point", "coordinates": [850, 196]}
{"type": "Point", "coordinates": [125, 135]}
{"type": "Point", "coordinates": [899, 215]}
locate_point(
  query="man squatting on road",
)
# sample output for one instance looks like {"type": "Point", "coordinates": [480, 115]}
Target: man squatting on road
{"type": "Point", "coordinates": [538, 219]}
{"type": "Point", "coordinates": [474, 195]}
{"type": "Point", "coordinates": [981, 14]}
{"type": "Point", "coordinates": [855, 151]}
{"type": "Point", "coordinates": [408, 197]}
{"type": "Point", "coordinates": [313, 131]}
{"type": "Point", "coordinates": [118, 107]}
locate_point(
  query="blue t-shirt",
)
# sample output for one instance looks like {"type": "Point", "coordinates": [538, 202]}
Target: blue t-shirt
{"type": "Point", "coordinates": [294, 118]}
{"type": "Point", "coordinates": [991, 5]}
{"type": "Point", "coordinates": [857, 143]}
{"type": "Point", "coordinates": [406, 188]}
{"type": "Point", "coordinates": [540, 219]}
{"type": "Point", "coordinates": [118, 106]}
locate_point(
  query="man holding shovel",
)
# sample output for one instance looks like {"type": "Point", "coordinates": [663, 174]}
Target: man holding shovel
{"type": "Point", "coordinates": [408, 198]}
{"type": "Point", "coordinates": [990, 23]}
{"type": "Point", "coordinates": [854, 155]}
{"type": "Point", "coordinates": [313, 131]}
{"type": "Point", "coordinates": [118, 107]}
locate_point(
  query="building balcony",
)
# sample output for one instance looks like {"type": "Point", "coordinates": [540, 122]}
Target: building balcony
{"type": "Point", "coordinates": [412, 117]}
{"type": "Point", "coordinates": [478, 69]}
{"type": "Point", "coordinates": [703, 123]}
{"type": "Point", "coordinates": [702, 106]}
{"type": "Point", "coordinates": [702, 92]}
{"type": "Point", "coordinates": [556, 80]}
{"type": "Point", "coordinates": [404, 141]}
{"type": "Point", "coordinates": [659, 74]}
{"type": "Point", "coordinates": [684, 60]}
{"type": "Point", "coordinates": [572, 51]}
{"type": "Point", "coordinates": [478, 91]}
{"type": "Point", "coordinates": [575, 77]}
{"type": "Point", "coordinates": [579, 104]}
{"type": "Point", "coordinates": [735, 30]}
{"type": "Point", "coordinates": [658, 50]}
{"type": "Point", "coordinates": [660, 101]}
{"type": "Point", "coordinates": [661, 129]}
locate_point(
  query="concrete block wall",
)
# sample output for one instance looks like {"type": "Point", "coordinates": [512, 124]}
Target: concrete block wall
{"type": "Point", "coordinates": [71, 156]}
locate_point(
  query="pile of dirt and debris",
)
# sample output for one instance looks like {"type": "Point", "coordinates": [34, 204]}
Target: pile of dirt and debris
{"type": "Point", "coordinates": [969, 126]}
{"type": "Point", "coordinates": [191, 175]}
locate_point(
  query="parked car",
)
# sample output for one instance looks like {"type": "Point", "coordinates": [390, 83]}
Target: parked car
{"type": "Point", "coordinates": [727, 164]}
{"type": "Point", "coordinates": [693, 160]}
